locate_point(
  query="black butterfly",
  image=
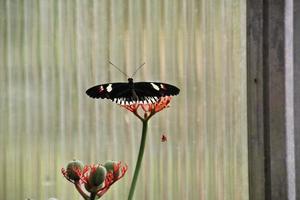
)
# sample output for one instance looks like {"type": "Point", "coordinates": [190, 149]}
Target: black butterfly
{"type": "Point", "coordinates": [131, 92]}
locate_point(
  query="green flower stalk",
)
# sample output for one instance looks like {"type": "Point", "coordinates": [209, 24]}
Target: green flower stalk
{"type": "Point", "coordinates": [148, 111]}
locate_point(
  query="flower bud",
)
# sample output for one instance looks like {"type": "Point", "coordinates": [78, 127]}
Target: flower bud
{"type": "Point", "coordinates": [91, 188]}
{"type": "Point", "coordinates": [72, 168]}
{"type": "Point", "coordinates": [97, 176]}
{"type": "Point", "coordinates": [110, 167]}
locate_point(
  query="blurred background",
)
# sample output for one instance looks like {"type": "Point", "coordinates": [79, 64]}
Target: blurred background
{"type": "Point", "coordinates": [51, 51]}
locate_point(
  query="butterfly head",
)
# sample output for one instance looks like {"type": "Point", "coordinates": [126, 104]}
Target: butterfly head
{"type": "Point", "coordinates": [130, 80]}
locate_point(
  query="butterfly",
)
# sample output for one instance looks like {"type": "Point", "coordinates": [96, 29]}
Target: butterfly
{"type": "Point", "coordinates": [127, 93]}
{"type": "Point", "coordinates": [132, 92]}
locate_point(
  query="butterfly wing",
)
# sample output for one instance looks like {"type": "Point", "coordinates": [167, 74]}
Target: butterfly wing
{"type": "Point", "coordinates": [155, 89]}
{"type": "Point", "coordinates": [142, 92]}
{"type": "Point", "coordinates": [109, 91]}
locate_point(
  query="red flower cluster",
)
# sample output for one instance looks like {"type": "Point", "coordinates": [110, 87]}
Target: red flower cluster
{"type": "Point", "coordinates": [96, 178]}
{"type": "Point", "coordinates": [164, 138]}
{"type": "Point", "coordinates": [149, 109]}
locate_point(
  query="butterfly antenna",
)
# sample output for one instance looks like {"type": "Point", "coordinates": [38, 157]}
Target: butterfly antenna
{"type": "Point", "coordinates": [118, 69]}
{"type": "Point", "coordinates": [138, 69]}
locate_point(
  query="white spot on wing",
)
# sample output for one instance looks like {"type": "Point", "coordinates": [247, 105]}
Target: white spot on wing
{"type": "Point", "coordinates": [101, 88]}
{"type": "Point", "coordinates": [109, 88]}
{"type": "Point", "coordinates": [155, 86]}
{"type": "Point", "coordinates": [153, 100]}
{"type": "Point", "coordinates": [162, 86]}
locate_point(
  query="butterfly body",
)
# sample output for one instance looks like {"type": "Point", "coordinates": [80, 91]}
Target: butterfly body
{"type": "Point", "coordinates": [132, 92]}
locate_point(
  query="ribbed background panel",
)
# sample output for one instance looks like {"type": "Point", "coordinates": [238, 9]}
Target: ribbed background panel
{"type": "Point", "coordinates": [51, 51]}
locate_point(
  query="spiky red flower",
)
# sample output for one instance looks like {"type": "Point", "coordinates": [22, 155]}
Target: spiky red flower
{"type": "Point", "coordinates": [86, 175]}
{"type": "Point", "coordinates": [148, 109]}
{"type": "Point", "coordinates": [164, 138]}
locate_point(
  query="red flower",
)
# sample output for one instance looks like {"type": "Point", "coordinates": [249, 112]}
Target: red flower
{"type": "Point", "coordinates": [96, 178]}
{"type": "Point", "coordinates": [164, 138]}
{"type": "Point", "coordinates": [149, 109]}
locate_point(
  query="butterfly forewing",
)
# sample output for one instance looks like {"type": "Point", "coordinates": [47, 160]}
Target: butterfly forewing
{"type": "Point", "coordinates": [108, 90]}
{"type": "Point", "coordinates": [155, 89]}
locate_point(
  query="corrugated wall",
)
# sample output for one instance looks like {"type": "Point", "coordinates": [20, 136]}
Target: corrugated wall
{"type": "Point", "coordinates": [51, 51]}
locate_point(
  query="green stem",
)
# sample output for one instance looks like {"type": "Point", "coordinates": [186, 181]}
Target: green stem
{"type": "Point", "coordinates": [86, 197]}
{"type": "Point", "coordinates": [139, 160]}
